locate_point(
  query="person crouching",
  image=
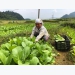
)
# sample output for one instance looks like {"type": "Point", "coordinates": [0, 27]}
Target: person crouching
{"type": "Point", "coordinates": [39, 31]}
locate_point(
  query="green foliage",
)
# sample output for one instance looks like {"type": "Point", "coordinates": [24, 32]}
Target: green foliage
{"type": "Point", "coordinates": [58, 38]}
{"type": "Point", "coordinates": [34, 61]}
{"type": "Point", "coordinates": [9, 15]}
{"type": "Point", "coordinates": [12, 29]}
{"type": "Point", "coordinates": [23, 51]}
{"type": "Point", "coordinates": [72, 54]}
{"type": "Point", "coordinates": [71, 24]}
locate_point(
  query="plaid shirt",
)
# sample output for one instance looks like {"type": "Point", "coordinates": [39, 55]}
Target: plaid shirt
{"type": "Point", "coordinates": [42, 32]}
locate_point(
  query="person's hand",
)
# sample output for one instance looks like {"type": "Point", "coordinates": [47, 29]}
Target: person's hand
{"type": "Point", "coordinates": [36, 40]}
{"type": "Point", "coordinates": [31, 37]}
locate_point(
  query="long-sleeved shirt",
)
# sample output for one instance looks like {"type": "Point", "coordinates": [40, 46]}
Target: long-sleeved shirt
{"type": "Point", "coordinates": [42, 31]}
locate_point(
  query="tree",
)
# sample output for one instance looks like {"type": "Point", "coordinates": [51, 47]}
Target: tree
{"type": "Point", "coordinates": [10, 15]}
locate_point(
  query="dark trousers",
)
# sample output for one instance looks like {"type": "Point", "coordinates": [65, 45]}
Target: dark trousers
{"type": "Point", "coordinates": [36, 34]}
{"type": "Point", "coordinates": [43, 37]}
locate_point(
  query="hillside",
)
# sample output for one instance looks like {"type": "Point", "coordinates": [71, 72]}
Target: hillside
{"type": "Point", "coordinates": [10, 15]}
{"type": "Point", "coordinates": [71, 15]}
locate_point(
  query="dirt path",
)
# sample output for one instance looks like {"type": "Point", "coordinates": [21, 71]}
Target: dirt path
{"type": "Point", "coordinates": [62, 59]}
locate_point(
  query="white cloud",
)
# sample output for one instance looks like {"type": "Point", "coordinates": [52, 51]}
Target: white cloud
{"type": "Point", "coordinates": [55, 10]}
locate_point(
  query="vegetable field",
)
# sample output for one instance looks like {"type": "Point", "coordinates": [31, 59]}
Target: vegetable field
{"type": "Point", "coordinates": [16, 47]}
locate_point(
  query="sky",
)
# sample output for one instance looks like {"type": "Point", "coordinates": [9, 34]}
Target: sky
{"type": "Point", "coordinates": [44, 13]}
{"type": "Point", "coordinates": [29, 8]}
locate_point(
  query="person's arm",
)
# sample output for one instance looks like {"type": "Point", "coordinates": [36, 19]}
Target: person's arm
{"type": "Point", "coordinates": [32, 34]}
{"type": "Point", "coordinates": [42, 32]}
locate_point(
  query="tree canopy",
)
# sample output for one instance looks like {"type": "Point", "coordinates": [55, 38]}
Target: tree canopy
{"type": "Point", "coordinates": [10, 15]}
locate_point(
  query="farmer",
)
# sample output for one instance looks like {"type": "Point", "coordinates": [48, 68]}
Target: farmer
{"type": "Point", "coordinates": [39, 31]}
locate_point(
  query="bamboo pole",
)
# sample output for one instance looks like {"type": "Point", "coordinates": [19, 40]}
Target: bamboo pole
{"type": "Point", "coordinates": [38, 13]}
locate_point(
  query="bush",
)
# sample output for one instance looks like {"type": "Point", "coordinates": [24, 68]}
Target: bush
{"type": "Point", "coordinates": [71, 24]}
{"type": "Point", "coordinates": [29, 21]}
{"type": "Point", "coordinates": [52, 21]}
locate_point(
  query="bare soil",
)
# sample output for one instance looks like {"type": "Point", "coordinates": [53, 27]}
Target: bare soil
{"type": "Point", "coordinates": [62, 59]}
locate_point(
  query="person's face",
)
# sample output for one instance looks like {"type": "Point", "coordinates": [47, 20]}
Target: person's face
{"type": "Point", "coordinates": [38, 25]}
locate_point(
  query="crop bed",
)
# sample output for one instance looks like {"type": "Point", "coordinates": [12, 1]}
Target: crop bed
{"type": "Point", "coordinates": [15, 50]}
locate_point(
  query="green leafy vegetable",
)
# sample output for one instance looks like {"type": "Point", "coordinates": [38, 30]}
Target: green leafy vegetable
{"type": "Point", "coordinates": [34, 61]}
{"type": "Point", "coordinates": [23, 51]}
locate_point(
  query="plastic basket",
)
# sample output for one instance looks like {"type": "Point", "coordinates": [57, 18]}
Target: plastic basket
{"type": "Point", "coordinates": [63, 45]}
